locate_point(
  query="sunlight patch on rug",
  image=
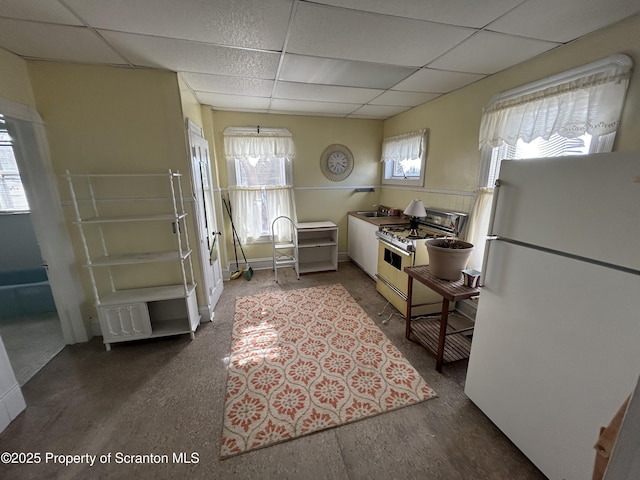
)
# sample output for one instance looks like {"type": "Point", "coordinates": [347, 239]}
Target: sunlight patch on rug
{"type": "Point", "coordinates": [306, 360]}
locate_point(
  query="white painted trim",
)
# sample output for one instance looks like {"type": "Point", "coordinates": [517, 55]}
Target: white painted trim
{"type": "Point", "coordinates": [266, 263]}
{"type": "Point", "coordinates": [464, 193]}
{"type": "Point", "coordinates": [11, 399]}
{"type": "Point", "coordinates": [19, 111]}
{"type": "Point", "coordinates": [618, 60]}
{"type": "Point", "coordinates": [337, 187]}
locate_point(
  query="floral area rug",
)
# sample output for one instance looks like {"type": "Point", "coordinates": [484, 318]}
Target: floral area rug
{"type": "Point", "coordinates": [306, 360]}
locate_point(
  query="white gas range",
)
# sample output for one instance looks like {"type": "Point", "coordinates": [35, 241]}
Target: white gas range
{"type": "Point", "coordinates": [403, 246]}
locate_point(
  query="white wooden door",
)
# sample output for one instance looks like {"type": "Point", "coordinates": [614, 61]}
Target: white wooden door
{"type": "Point", "coordinates": [206, 223]}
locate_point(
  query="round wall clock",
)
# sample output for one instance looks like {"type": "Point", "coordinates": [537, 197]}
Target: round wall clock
{"type": "Point", "coordinates": [336, 162]}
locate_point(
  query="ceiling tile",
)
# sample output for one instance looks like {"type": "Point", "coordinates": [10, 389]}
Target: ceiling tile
{"type": "Point", "coordinates": [378, 111]}
{"type": "Point", "coordinates": [469, 13]}
{"type": "Point", "coordinates": [325, 108]}
{"type": "Point", "coordinates": [488, 52]}
{"type": "Point", "coordinates": [403, 99]}
{"type": "Point", "coordinates": [224, 84]}
{"type": "Point", "coordinates": [328, 71]}
{"type": "Point", "coordinates": [183, 55]}
{"type": "Point", "coordinates": [250, 23]}
{"type": "Point", "coordinates": [222, 101]}
{"type": "Point", "coordinates": [39, 10]}
{"type": "Point", "coordinates": [570, 19]}
{"type": "Point", "coordinates": [47, 41]}
{"type": "Point", "coordinates": [436, 81]}
{"type": "Point", "coordinates": [352, 35]}
{"type": "Point", "coordinates": [324, 93]}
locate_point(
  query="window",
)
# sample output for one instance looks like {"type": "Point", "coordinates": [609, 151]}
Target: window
{"type": "Point", "coordinates": [572, 113]}
{"type": "Point", "coordinates": [12, 194]}
{"type": "Point", "coordinates": [556, 146]}
{"type": "Point", "coordinates": [404, 158]}
{"type": "Point", "coordinates": [259, 164]}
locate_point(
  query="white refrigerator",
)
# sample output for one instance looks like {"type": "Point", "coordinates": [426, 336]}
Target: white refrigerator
{"type": "Point", "coordinates": [556, 345]}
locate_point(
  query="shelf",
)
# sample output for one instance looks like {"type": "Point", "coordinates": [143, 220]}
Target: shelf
{"type": "Point", "coordinates": [175, 326]}
{"type": "Point", "coordinates": [148, 294]}
{"type": "Point", "coordinates": [317, 246]}
{"type": "Point", "coordinates": [427, 332]}
{"type": "Point", "coordinates": [127, 314]}
{"type": "Point", "coordinates": [134, 258]}
{"type": "Point", "coordinates": [133, 218]}
{"type": "Point", "coordinates": [316, 242]}
{"type": "Point", "coordinates": [308, 267]}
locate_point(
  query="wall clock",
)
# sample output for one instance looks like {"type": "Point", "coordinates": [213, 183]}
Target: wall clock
{"type": "Point", "coordinates": [336, 162]}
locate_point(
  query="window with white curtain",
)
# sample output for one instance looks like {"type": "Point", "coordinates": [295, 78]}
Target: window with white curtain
{"type": "Point", "coordinates": [12, 194]}
{"type": "Point", "coordinates": [404, 158]}
{"type": "Point", "coordinates": [573, 113]}
{"type": "Point", "coordinates": [259, 165]}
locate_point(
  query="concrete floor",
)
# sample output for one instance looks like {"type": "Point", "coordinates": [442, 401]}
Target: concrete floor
{"type": "Point", "coordinates": [166, 397]}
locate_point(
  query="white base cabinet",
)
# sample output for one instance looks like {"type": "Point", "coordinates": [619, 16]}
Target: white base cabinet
{"type": "Point", "coordinates": [317, 246]}
{"type": "Point", "coordinates": [161, 314]}
{"type": "Point", "coordinates": [363, 245]}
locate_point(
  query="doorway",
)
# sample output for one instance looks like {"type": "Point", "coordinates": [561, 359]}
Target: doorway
{"type": "Point", "coordinates": [29, 324]}
{"type": "Point", "coordinates": [31, 151]}
{"type": "Point", "coordinates": [206, 222]}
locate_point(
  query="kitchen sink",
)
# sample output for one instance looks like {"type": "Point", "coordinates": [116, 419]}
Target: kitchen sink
{"type": "Point", "coordinates": [373, 214]}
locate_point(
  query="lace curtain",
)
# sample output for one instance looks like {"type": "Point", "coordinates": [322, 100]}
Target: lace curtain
{"type": "Point", "coordinates": [258, 200]}
{"type": "Point", "coordinates": [249, 207]}
{"type": "Point", "coordinates": [404, 147]}
{"type": "Point", "coordinates": [245, 144]}
{"type": "Point", "coordinates": [478, 225]}
{"type": "Point", "coordinates": [590, 101]}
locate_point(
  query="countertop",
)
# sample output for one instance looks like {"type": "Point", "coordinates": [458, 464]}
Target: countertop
{"type": "Point", "coordinates": [397, 220]}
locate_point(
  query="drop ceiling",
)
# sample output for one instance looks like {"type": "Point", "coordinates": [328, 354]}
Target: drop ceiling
{"type": "Point", "coordinates": [343, 58]}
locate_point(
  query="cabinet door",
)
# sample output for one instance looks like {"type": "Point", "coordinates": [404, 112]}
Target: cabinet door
{"type": "Point", "coordinates": [354, 248]}
{"type": "Point", "coordinates": [370, 249]}
{"type": "Point", "coordinates": [124, 322]}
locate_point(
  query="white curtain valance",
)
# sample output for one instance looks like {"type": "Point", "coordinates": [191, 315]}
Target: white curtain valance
{"type": "Point", "coordinates": [588, 103]}
{"type": "Point", "coordinates": [269, 143]}
{"type": "Point", "coordinates": [404, 147]}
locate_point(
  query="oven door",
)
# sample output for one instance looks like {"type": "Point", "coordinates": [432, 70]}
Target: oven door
{"type": "Point", "coordinates": [391, 263]}
{"type": "Point", "coordinates": [393, 283]}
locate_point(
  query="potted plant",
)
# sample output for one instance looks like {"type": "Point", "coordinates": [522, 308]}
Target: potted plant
{"type": "Point", "coordinates": [448, 256]}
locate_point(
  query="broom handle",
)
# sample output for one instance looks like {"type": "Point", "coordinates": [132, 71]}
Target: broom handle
{"type": "Point", "coordinates": [235, 250]}
{"type": "Point", "coordinates": [228, 207]}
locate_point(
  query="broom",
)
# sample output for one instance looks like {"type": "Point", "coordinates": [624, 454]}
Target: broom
{"type": "Point", "coordinates": [237, 272]}
{"type": "Point", "coordinates": [249, 272]}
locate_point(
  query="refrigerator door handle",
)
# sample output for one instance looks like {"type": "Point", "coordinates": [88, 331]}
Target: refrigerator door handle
{"type": "Point", "coordinates": [490, 235]}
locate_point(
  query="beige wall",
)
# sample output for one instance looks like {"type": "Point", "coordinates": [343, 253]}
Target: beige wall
{"type": "Point", "coordinates": [15, 84]}
{"type": "Point", "coordinates": [317, 198]}
{"type": "Point", "coordinates": [454, 120]}
{"type": "Point", "coordinates": [114, 120]}
{"type": "Point", "coordinates": [106, 119]}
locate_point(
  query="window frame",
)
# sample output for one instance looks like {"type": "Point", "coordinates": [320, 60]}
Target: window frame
{"type": "Point", "coordinates": [389, 166]}
{"type": "Point", "coordinates": [232, 175]}
{"type": "Point", "coordinates": [599, 143]}
{"type": "Point", "coordinates": [4, 190]}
